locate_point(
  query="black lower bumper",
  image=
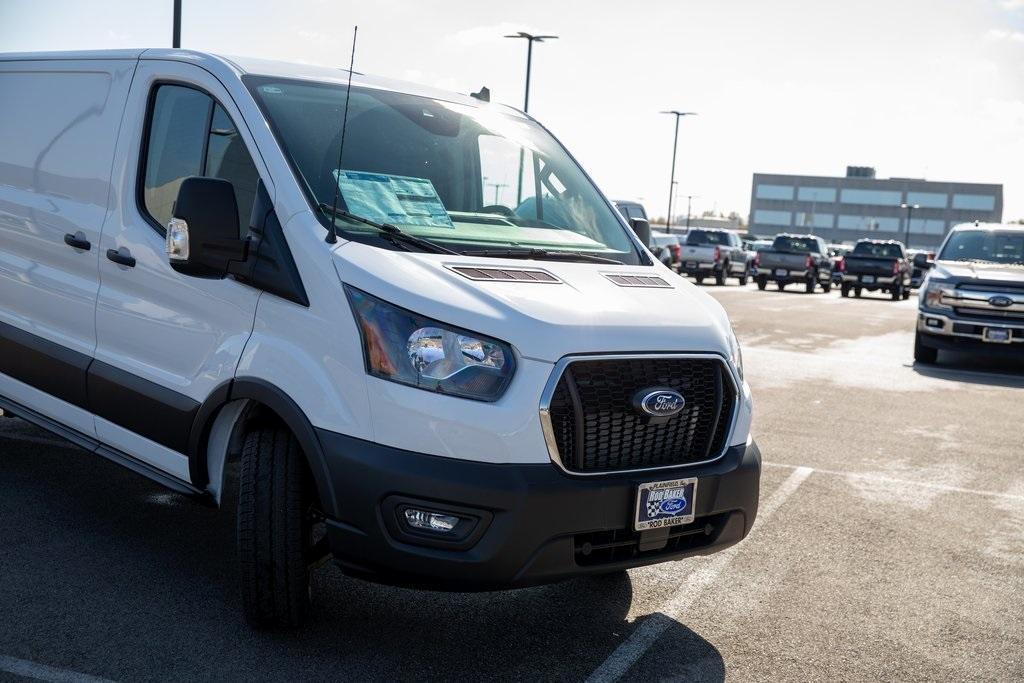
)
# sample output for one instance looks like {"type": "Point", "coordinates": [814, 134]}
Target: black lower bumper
{"type": "Point", "coordinates": [971, 345]}
{"type": "Point", "coordinates": [534, 523]}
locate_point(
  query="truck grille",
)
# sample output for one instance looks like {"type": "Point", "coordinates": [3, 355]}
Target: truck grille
{"type": "Point", "coordinates": [596, 428]}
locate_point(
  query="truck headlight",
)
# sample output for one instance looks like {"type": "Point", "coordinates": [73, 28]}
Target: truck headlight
{"type": "Point", "coordinates": [933, 293]}
{"type": "Point", "coordinates": [405, 347]}
{"type": "Point", "coordinates": [736, 353]}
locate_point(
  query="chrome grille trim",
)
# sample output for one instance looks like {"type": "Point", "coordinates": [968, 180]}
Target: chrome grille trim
{"type": "Point", "coordinates": [556, 375]}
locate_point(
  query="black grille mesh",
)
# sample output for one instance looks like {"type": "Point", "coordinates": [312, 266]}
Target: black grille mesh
{"type": "Point", "coordinates": [597, 430]}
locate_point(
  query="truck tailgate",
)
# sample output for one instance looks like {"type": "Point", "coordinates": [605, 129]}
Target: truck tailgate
{"type": "Point", "coordinates": [699, 254]}
{"type": "Point", "coordinates": [770, 260]}
{"type": "Point", "coordinates": [869, 265]}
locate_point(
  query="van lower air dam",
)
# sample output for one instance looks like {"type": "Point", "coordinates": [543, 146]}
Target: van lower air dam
{"type": "Point", "coordinates": [485, 382]}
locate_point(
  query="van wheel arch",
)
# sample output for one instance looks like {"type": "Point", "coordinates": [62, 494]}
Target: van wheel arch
{"type": "Point", "coordinates": [266, 404]}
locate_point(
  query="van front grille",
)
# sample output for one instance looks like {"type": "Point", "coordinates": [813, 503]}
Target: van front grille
{"type": "Point", "coordinates": [596, 428]}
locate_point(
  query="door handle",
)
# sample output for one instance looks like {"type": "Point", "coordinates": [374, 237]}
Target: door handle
{"type": "Point", "coordinates": [121, 256]}
{"type": "Point", "coordinates": [77, 241]}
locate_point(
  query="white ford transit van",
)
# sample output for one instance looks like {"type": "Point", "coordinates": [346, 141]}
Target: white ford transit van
{"type": "Point", "coordinates": [438, 351]}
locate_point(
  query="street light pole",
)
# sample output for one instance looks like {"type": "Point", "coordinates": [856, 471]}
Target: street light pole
{"type": "Point", "coordinates": [672, 180]}
{"type": "Point", "coordinates": [910, 210]}
{"type": "Point", "coordinates": [530, 40]}
{"type": "Point", "coordinates": [689, 202]}
{"type": "Point", "coordinates": [176, 31]}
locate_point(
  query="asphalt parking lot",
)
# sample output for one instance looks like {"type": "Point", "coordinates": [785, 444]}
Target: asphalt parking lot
{"type": "Point", "coordinates": [890, 545]}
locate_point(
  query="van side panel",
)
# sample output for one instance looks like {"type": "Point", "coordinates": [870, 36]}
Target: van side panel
{"type": "Point", "coordinates": [58, 127]}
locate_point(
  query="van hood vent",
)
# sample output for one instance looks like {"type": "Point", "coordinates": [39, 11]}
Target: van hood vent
{"type": "Point", "coordinates": [491, 274]}
{"type": "Point", "coordinates": [626, 280]}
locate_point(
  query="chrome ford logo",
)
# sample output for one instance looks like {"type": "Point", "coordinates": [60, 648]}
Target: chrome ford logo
{"type": "Point", "coordinates": [1000, 301]}
{"type": "Point", "coordinates": [660, 402]}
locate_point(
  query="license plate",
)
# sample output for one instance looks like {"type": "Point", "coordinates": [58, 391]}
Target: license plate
{"type": "Point", "coordinates": [999, 335]}
{"type": "Point", "coordinates": [781, 272]}
{"type": "Point", "coordinates": [665, 503]}
{"type": "Point", "coordinates": [692, 265]}
{"type": "Point", "coordinates": [868, 279]}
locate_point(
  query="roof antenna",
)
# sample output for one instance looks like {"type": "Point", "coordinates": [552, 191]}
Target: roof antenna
{"type": "Point", "coordinates": [332, 235]}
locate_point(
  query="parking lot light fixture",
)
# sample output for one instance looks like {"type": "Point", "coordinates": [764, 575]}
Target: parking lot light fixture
{"type": "Point", "coordinates": [910, 210]}
{"type": "Point", "coordinates": [672, 180]}
{"type": "Point", "coordinates": [530, 40]}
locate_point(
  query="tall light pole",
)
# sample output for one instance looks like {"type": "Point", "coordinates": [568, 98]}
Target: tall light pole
{"type": "Point", "coordinates": [530, 40]}
{"type": "Point", "coordinates": [176, 30]}
{"type": "Point", "coordinates": [689, 203]}
{"type": "Point", "coordinates": [910, 210]}
{"type": "Point", "coordinates": [675, 145]}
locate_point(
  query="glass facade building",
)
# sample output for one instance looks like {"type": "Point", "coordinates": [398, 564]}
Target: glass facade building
{"type": "Point", "coordinates": [846, 209]}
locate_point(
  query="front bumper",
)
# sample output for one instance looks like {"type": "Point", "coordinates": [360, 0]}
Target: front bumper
{"type": "Point", "coordinates": [536, 523]}
{"type": "Point", "coordinates": [948, 333]}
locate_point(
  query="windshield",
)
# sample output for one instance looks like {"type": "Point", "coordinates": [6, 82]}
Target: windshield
{"type": "Point", "coordinates": [992, 246]}
{"type": "Point", "coordinates": [470, 178]}
{"type": "Point", "coordinates": [695, 237]}
{"type": "Point", "coordinates": [880, 250]}
{"type": "Point", "coordinates": [799, 244]}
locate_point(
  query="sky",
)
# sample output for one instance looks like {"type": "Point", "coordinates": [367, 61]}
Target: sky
{"type": "Point", "coordinates": [916, 88]}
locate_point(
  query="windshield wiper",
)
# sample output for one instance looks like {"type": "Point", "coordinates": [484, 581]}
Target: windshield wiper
{"type": "Point", "coordinates": [390, 232]}
{"type": "Point", "coordinates": [541, 254]}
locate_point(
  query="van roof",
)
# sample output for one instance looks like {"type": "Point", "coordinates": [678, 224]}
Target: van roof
{"type": "Point", "coordinates": [222, 65]}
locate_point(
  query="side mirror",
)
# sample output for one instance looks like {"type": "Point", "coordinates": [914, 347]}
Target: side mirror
{"type": "Point", "coordinates": [921, 261]}
{"type": "Point", "coordinates": [202, 237]}
{"type": "Point", "coordinates": [642, 229]}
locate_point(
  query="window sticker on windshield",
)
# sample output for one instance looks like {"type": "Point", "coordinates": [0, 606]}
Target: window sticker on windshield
{"type": "Point", "coordinates": [392, 198]}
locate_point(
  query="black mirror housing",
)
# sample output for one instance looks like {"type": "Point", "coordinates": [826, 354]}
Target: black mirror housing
{"type": "Point", "coordinates": [202, 236]}
{"type": "Point", "coordinates": [642, 229]}
{"type": "Point", "coordinates": [921, 261]}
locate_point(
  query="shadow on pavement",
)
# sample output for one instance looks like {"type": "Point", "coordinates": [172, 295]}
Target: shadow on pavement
{"type": "Point", "coordinates": [983, 370]}
{"type": "Point", "coordinates": [109, 574]}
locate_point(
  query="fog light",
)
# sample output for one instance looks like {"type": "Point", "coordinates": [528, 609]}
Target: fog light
{"type": "Point", "coordinates": [933, 322]}
{"type": "Point", "coordinates": [430, 521]}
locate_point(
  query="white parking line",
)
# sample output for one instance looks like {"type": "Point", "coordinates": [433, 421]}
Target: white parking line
{"type": "Point", "coordinates": [42, 672]}
{"type": "Point", "coordinates": [648, 632]}
{"type": "Point", "coordinates": [903, 482]}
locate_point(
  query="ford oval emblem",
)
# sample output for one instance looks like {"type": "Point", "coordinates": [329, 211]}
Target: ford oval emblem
{"type": "Point", "coordinates": [1000, 301]}
{"type": "Point", "coordinates": [660, 402]}
{"type": "Point", "coordinates": [673, 505]}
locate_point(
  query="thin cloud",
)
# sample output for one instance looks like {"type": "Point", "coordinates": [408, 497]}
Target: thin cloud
{"type": "Point", "coordinates": [997, 34]}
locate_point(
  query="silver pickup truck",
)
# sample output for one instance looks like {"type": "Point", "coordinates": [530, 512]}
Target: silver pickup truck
{"type": "Point", "coordinates": [972, 299]}
{"type": "Point", "coordinates": [801, 259]}
{"type": "Point", "coordinates": [708, 252]}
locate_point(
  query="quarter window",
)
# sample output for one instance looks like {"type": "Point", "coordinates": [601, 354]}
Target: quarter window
{"type": "Point", "coordinates": [191, 135]}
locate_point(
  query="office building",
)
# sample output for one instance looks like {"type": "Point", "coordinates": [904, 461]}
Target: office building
{"type": "Point", "coordinates": [859, 205]}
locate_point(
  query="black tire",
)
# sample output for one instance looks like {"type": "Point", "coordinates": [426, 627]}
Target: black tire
{"type": "Point", "coordinates": [809, 285]}
{"type": "Point", "coordinates": [906, 293]}
{"type": "Point", "coordinates": [856, 292]}
{"type": "Point", "coordinates": [781, 285]}
{"type": "Point", "coordinates": [742, 279]}
{"type": "Point", "coordinates": [699, 279]}
{"type": "Point", "coordinates": [720, 275]}
{"type": "Point", "coordinates": [762, 282]}
{"type": "Point", "coordinates": [844, 289]}
{"type": "Point", "coordinates": [826, 286]}
{"type": "Point", "coordinates": [922, 353]}
{"type": "Point", "coordinates": [896, 292]}
{"type": "Point", "coordinates": [274, 529]}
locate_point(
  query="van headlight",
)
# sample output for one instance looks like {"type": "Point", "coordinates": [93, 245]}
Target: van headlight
{"type": "Point", "coordinates": [408, 348]}
{"type": "Point", "coordinates": [736, 353]}
{"type": "Point", "coordinates": [933, 293]}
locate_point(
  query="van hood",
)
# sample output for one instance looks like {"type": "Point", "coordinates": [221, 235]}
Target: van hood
{"type": "Point", "coordinates": [968, 271]}
{"type": "Point", "coordinates": [584, 312]}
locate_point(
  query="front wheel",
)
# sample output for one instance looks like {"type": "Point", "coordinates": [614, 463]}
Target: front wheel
{"type": "Point", "coordinates": [857, 291]}
{"type": "Point", "coordinates": [906, 293]}
{"type": "Point", "coordinates": [275, 529]}
{"type": "Point", "coordinates": [922, 353]}
{"type": "Point", "coordinates": [826, 286]}
{"type": "Point", "coordinates": [844, 289]}
{"type": "Point", "coordinates": [896, 292]}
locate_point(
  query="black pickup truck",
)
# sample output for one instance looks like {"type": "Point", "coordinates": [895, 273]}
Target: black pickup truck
{"type": "Point", "coordinates": [877, 265]}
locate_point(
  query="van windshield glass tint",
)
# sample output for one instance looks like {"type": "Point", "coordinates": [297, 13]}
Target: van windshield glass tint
{"type": "Point", "coordinates": [985, 245]}
{"type": "Point", "coordinates": [878, 250]}
{"type": "Point", "coordinates": [467, 177]}
{"type": "Point", "coordinates": [797, 244]}
{"type": "Point", "coordinates": [695, 237]}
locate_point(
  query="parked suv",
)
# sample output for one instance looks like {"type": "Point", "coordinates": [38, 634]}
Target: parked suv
{"type": "Point", "coordinates": [794, 259]}
{"type": "Point", "coordinates": [972, 299]}
{"type": "Point", "coordinates": [666, 249]}
{"type": "Point", "coordinates": [431, 380]}
{"type": "Point", "coordinates": [876, 265]}
{"type": "Point", "coordinates": [708, 252]}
